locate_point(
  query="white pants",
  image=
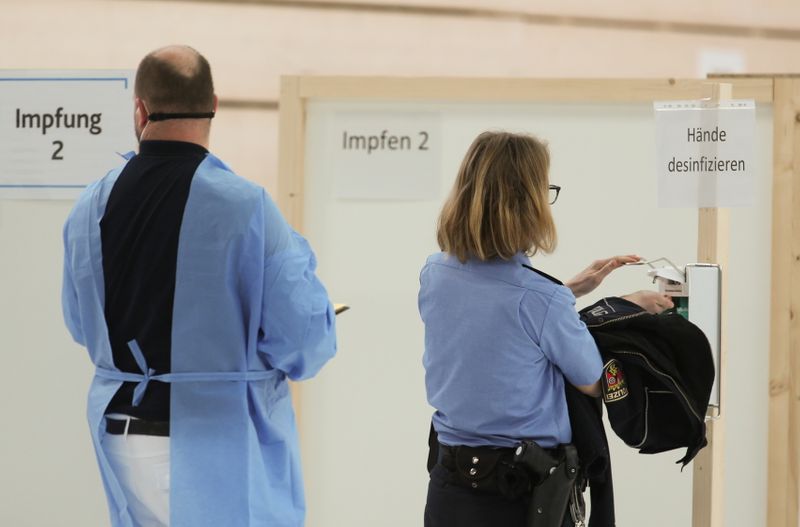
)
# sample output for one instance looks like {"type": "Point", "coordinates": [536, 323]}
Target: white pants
{"type": "Point", "coordinates": [141, 464]}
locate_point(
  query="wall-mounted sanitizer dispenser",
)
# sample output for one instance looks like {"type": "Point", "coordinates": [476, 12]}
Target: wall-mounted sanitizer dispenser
{"type": "Point", "coordinates": [696, 292]}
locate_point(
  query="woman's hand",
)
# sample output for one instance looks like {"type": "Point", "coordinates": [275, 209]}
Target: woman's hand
{"type": "Point", "coordinates": [587, 280]}
{"type": "Point", "coordinates": [651, 301]}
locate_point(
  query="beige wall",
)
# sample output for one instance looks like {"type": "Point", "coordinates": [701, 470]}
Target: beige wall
{"type": "Point", "coordinates": [765, 14]}
{"type": "Point", "coordinates": [48, 475]}
{"type": "Point", "coordinates": [250, 44]}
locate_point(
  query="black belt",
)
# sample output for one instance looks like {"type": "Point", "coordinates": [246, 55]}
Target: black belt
{"type": "Point", "coordinates": [137, 426]}
{"type": "Point", "coordinates": [485, 470]}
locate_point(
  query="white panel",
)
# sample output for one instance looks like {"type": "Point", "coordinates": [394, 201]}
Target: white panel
{"type": "Point", "coordinates": [49, 474]}
{"type": "Point", "coordinates": [370, 400]}
{"type": "Point", "coordinates": [746, 390]}
{"type": "Point", "coordinates": [365, 419]}
{"type": "Point", "coordinates": [704, 311]}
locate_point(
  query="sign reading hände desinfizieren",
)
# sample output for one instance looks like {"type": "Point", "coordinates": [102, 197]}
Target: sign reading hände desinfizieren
{"type": "Point", "coordinates": [61, 130]}
{"type": "Point", "coordinates": [705, 153]}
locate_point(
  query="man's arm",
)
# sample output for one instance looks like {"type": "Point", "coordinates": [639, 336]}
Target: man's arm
{"type": "Point", "coordinates": [298, 328]}
{"type": "Point", "coordinates": [69, 298]}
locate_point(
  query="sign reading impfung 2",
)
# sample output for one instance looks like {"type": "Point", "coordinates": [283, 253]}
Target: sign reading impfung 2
{"type": "Point", "coordinates": [380, 155]}
{"type": "Point", "coordinates": [705, 153]}
{"type": "Point", "coordinates": [61, 130]}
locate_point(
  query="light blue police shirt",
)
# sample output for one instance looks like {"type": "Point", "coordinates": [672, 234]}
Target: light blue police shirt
{"type": "Point", "coordinates": [499, 341]}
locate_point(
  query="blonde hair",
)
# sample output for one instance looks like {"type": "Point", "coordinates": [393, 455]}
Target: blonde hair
{"type": "Point", "coordinates": [499, 203]}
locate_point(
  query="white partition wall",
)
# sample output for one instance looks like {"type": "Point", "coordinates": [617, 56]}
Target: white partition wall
{"type": "Point", "coordinates": [364, 420]}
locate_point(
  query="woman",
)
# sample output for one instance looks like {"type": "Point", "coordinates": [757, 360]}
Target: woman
{"type": "Point", "coordinates": [500, 337]}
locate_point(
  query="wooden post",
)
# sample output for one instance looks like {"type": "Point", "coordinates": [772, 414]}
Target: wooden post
{"type": "Point", "coordinates": [291, 140]}
{"type": "Point", "coordinates": [713, 247]}
{"type": "Point", "coordinates": [291, 157]}
{"type": "Point", "coordinates": [784, 392]}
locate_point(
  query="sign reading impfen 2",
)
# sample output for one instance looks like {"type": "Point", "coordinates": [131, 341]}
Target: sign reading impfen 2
{"type": "Point", "coordinates": [705, 153]}
{"type": "Point", "coordinates": [385, 155]}
{"type": "Point", "coordinates": [61, 130]}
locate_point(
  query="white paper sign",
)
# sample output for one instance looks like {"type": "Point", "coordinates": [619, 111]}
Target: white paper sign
{"type": "Point", "coordinates": [61, 130]}
{"type": "Point", "coordinates": [720, 61]}
{"type": "Point", "coordinates": [705, 153]}
{"type": "Point", "coordinates": [385, 155]}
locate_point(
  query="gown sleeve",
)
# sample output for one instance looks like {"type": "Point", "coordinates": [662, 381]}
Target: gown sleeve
{"type": "Point", "coordinates": [69, 296]}
{"type": "Point", "coordinates": [298, 328]}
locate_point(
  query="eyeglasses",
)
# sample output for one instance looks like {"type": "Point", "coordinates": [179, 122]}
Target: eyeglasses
{"type": "Point", "coordinates": [552, 195]}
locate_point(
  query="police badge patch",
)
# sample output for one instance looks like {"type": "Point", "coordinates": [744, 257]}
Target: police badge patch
{"type": "Point", "coordinates": [614, 385]}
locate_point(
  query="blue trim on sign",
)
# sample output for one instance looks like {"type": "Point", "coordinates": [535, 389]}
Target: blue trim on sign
{"type": "Point", "coordinates": [36, 79]}
{"type": "Point", "coordinates": [42, 186]}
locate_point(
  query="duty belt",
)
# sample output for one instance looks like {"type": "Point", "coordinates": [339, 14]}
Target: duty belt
{"type": "Point", "coordinates": [485, 470]}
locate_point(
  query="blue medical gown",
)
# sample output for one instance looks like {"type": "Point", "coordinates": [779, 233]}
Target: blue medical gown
{"type": "Point", "coordinates": [248, 312]}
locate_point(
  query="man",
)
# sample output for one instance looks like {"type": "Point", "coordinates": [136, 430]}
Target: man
{"type": "Point", "coordinates": [196, 301]}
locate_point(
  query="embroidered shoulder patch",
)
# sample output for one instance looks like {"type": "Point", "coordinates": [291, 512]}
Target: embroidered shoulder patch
{"type": "Point", "coordinates": [598, 311]}
{"type": "Point", "coordinates": [614, 385]}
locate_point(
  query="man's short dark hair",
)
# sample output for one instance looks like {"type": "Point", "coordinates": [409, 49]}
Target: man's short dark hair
{"type": "Point", "coordinates": [168, 87]}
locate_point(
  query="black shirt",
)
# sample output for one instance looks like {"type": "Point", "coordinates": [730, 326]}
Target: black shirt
{"type": "Point", "coordinates": [139, 233]}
